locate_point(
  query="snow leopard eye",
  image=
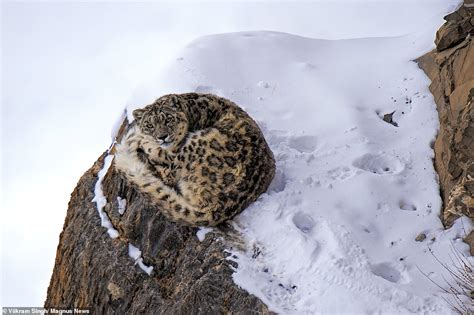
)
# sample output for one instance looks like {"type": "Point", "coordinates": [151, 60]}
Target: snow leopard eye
{"type": "Point", "coordinates": [169, 120]}
{"type": "Point", "coordinates": [149, 126]}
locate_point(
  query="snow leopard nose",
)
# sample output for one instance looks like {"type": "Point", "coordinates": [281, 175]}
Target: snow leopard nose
{"type": "Point", "coordinates": [162, 137]}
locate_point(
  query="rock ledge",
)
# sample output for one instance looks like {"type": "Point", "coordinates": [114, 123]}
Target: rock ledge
{"type": "Point", "coordinates": [95, 271]}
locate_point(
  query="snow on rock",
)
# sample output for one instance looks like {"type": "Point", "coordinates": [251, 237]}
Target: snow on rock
{"type": "Point", "coordinates": [101, 200]}
{"type": "Point", "coordinates": [335, 233]}
{"type": "Point", "coordinates": [122, 205]}
{"type": "Point", "coordinates": [118, 123]}
{"type": "Point", "coordinates": [136, 255]}
{"type": "Point", "coordinates": [202, 232]}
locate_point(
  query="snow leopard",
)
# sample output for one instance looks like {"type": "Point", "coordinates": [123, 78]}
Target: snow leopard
{"type": "Point", "coordinates": [199, 158]}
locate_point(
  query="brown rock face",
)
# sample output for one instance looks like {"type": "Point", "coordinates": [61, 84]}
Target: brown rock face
{"type": "Point", "coordinates": [459, 24]}
{"type": "Point", "coordinates": [95, 271]}
{"type": "Point", "coordinates": [451, 70]}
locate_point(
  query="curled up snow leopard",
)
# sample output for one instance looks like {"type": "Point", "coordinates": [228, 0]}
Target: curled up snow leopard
{"type": "Point", "coordinates": [199, 158]}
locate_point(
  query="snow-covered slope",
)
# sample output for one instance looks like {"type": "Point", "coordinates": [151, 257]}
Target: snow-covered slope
{"type": "Point", "coordinates": [336, 231]}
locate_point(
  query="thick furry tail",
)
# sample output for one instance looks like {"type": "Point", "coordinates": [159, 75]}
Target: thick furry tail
{"type": "Point", "coordinates": [169, 201]}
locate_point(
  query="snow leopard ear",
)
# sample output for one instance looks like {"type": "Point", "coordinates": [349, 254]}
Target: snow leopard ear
{"type": "Point", "coordinates": [138, 113]}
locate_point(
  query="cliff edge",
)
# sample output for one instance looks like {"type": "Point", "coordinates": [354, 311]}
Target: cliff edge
{"type": "Point", "coordinates": [451, 69]}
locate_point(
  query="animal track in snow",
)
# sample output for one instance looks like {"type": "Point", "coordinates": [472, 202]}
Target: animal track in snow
{"type": "Point", "coordinates": [311, 181]}
{"type": "Point", "coordinates": [380, 164]}
{"type": "Point", "coordinates": [303, 222]}
{"type": "Point", "coordinates": [303, 144]}
{"type": "Point", "coordinates": [406, 205]}
{"type": "Point", "coordinates": [263, 84]}
{"type": "Point", "coordinates": [340, 173]}
{"type": "Point", "coordinates": [279, 295]}
{"type": "Point", "coordinates": [390, 273]}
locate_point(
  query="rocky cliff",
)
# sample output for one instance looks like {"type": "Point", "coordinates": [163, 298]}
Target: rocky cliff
{"type": "Point", "coordinates": [95, 271]}
{"type": "Point", "coordinates": [451, 69]}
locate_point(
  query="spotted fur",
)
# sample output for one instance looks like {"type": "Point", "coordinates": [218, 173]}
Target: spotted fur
{"type": "Point", "coordinates": [200, 158]}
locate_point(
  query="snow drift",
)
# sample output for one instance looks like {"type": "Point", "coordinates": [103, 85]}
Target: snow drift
{"type": "Point", "coordinates": [336, 231]}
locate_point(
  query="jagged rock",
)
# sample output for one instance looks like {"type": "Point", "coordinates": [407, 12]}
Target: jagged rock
{"type": "Point", "coordinates": [95, 271]}
{"type": "Point", "coordinates": [453, 32]}
{"type": "Point", "coordinates": [389, 119]}
{"type": "Point", "coordinates": [451, 70]}
{"type": "Point", "coordinates": [420, 237]}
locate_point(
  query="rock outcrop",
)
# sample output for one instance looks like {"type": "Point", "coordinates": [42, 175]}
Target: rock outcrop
{"type": "Point", "coordinates": [95, 271]}
{"type": "Point", "coordinates": [451, 69]}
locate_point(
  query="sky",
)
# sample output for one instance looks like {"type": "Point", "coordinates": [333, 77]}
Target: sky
{"type": "Point", "coordinates": [69, 69]}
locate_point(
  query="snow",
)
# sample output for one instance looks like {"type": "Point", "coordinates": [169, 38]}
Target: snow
{"type": "Point", "coordinates": [122, 205]}
{"type": "Point", "coordinates": [72, 88]}
{"type": "Point", "coordinates": [136, 255]}
{"type": "Point", "coordinates": [336, 231]}
{"type": "Point", "coordinates": [101, 200]}
{"type": "Point", "coordinates": [117, 125]}
{"type": "Point", "coordinates": [202, 232]}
